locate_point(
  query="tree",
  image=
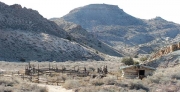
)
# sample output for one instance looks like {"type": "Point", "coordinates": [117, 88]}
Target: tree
{"type": "Point", "coordinates": [128, 61]}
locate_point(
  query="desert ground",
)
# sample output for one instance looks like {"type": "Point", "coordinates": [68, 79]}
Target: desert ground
{"type": "Point", "coordinates": [12, 76]}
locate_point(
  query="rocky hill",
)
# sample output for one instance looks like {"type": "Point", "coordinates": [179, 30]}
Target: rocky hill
{"type": "Point", "coordinates": [122, 31]}
{"type": "Point", "coordinates": [26, 35]}
{"type": "Point", "coordinates": [84, 38]}
{"type": "Point", "coordinates": [15, 17]}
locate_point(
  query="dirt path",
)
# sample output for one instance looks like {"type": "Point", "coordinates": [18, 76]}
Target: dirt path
{"type": "Point", "coordinates": [52, 88]}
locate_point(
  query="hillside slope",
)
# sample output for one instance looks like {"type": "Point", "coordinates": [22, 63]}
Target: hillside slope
{"type": "Point", "coordinates": [86, 39]}
{"type": "Point", "coordinates": [169, 60]}
{"type": "Point", "coordinates": [26, 35]}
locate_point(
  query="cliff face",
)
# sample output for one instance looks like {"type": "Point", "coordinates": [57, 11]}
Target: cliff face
{"type": "Point", "coordinates": [26, 35]}
{"type": "Point", "coordinates": [113, 26]}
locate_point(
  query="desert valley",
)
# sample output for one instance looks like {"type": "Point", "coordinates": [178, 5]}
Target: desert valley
{"type": "Point", "coordinates": [93, 48]}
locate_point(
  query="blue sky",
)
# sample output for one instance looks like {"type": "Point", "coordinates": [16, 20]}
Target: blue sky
{"type": "Point", "coordinates": [144, 9]}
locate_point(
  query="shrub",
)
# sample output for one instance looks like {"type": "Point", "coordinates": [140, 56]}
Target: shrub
{"type": "Point", "coordinates": [69, 38]}
{"type": "Point", "coordinates": [23, 60]}
{"type": "Point", "coordinates": [136, 56]}
{"type": "Point", "coordinates": [128, 61]}
{"type": "Point", "coordinates": [175, 76]}
{"type": "Point", "coordinates": [143, 58]}
{"type": "Point", "coordinates": [97, 52]}
{"type": "Point", "coordinates": [137, 86]}
{"type": "Point", "coordinates": [109, 80]}
{"type": "Point", "coordinates": [96, 82]}
{"type": "Point", "coordinates": [70, 84]}
{"type": "Point", "coordinates": [136, 63]}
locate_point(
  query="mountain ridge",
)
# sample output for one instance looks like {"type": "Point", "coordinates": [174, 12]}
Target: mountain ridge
{"type": "Point", "coordinates": [123, 31]}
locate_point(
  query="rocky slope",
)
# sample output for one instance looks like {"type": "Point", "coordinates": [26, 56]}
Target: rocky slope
{"type": "Point", "coordinates": [84, 38]}
{"type": "Point", "coordinates": [122, 31]}
{"type": "Point", "coordinates": [26, 35]}
{"type": "Point", "coordinates": [168, 60]}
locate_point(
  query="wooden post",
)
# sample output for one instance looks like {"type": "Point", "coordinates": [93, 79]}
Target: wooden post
{"type": "Point", "coordinates": [57, 81]}
{"type": "Point", "coordinates": [56, 67]}
{"type": "Point", "coordinates": [23, 76]}
{"type": "Point", "coordinates": [29, 65]}
{"type": "Point", "coordinates": [46, 79]}
{"type": "Point", "coordinates": [49, 66]}
{"type": "Point", "coordinates": [38, 73]}
{"type": "Point", "coordinates": [30, 76]}
{"type": "Point", "coordinates": [18, 73]}
{"type": "Point", "coordinates": [12, 76]}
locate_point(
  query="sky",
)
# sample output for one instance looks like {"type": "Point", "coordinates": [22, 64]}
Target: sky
{"type": "Point", "coordinates": [143, 9]}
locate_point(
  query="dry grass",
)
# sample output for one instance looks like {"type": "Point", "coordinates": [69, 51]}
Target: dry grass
{"type": "Point", "coordinates": [70, 84]}
{"type": "Point", "coordinates": [111, 80]}
{"type": "Point", "coordinates": [18, 85]}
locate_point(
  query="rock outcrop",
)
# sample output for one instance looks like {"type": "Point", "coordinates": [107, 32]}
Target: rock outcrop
{"type": "Point", "coordinates": [166, 50]}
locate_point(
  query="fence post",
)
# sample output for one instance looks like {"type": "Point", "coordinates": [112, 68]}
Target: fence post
{"type": "Point", "coordinates": [12, 76]}
{"type": "Point", "coordinates": [23, 76]}
{"type": "Point", "coordinates": [49, 65]}
{"type": "Point", "coordinates": [38, 73]}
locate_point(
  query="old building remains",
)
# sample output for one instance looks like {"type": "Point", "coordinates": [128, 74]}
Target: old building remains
{"type": "Point", "coordinates": [136, 71]}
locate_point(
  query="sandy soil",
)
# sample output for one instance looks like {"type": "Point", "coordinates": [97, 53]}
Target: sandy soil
{"type": "Point", "coordinates": [52, 88]}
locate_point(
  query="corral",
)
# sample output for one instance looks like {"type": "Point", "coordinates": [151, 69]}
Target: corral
{"type": "Point", "coordinates": [37, 74]}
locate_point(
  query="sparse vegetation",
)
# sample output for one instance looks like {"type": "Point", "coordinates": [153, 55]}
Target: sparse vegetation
{"type": "Point", "coordinates": [17, 85]}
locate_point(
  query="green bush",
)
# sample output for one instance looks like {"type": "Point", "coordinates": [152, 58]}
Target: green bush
{"type": "Point", "coordinates": [136, 63]}
{"type": "Point", "coordinates": [143, 58]}
{"type": "Point", "coordinates": [128, 61]}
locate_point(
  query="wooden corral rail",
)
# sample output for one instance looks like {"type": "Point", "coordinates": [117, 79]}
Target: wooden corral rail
{"type": "Point", "coordinates": [77, 71]}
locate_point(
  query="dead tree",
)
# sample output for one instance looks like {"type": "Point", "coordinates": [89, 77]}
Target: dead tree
{"type": "Point", "coordinates": [105, 71]}
{"type": "Point", "coordinates": [85, 69]}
